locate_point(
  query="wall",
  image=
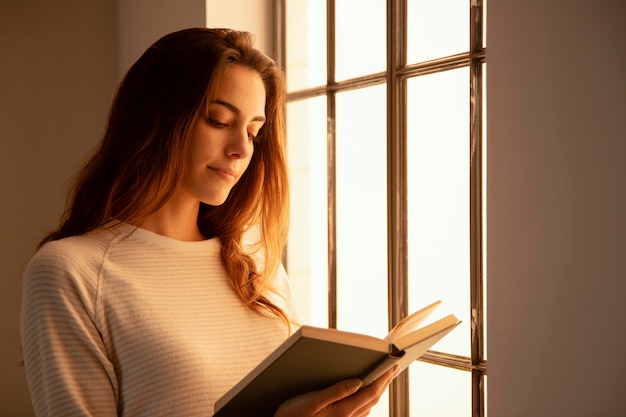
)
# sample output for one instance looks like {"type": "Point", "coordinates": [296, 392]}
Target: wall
{"type": "Point", "coordinates": [556, 202]}
{"type": "Point", "coordinates": [141, 22]}
{"type": "Point", "coordinates": [58, 68]}
{"type": "Point", "coordinates": [255, 16]}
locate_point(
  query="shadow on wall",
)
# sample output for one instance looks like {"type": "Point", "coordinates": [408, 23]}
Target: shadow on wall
{"type": "Point", "coordinates": [58, 74]}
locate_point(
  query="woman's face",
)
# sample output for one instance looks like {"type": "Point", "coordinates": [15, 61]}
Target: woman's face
{"type": "Point", "coordinates": [222, 143]}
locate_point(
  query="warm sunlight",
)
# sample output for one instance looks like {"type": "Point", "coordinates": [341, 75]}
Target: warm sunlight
{"type": "Point", "coordinates": [437, 175]}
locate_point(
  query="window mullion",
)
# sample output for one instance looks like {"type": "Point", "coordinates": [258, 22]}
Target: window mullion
{"type": "Point", "coordinates": [397, 188]}
{"type": "Point", "coordinates": [279, 34]}
{"type": "Point", "coordinates": [331, 163]}
{"type": "Point", "coordinates": [476, 208]}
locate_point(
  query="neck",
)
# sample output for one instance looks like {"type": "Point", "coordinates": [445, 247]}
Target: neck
{"type": "Point", "coordinates": [177, 220]}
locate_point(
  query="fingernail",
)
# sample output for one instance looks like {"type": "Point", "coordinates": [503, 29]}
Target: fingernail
{"type": "Point", "coordinates": [354, 384]}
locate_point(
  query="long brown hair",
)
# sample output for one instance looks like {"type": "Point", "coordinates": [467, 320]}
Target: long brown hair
{"type": "Point", "coordinates": [140, 160]}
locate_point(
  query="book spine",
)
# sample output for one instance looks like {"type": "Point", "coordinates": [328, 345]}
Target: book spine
{"type": "Point", "coordinates": [378, 370]}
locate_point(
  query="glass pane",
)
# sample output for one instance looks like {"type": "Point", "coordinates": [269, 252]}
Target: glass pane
{"type": "Point", "coordinates": [438, 199]}
{"type": "Point", "coordinates": [437, 391]}
{"type": "Point", "coordinates": [486, 391]}
{"type": "Point", "coordinates": [307, 249]}
{"type": "Point", "coordinates": [484, 191]}
{"type": "Point", "coordinates": [484, 23]}
{"type": "Point", "coordinates": [437, 29]}
{"type": "Point", "coordinates": [360, 38]}
{"type": "Point", "coordinates": [305, 43]}
{"type": "Point", "coordinates": [361, 173]}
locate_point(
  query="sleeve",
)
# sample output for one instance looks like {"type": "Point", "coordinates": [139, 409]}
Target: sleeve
{"type": "Point", "coordinates": [65, 359]}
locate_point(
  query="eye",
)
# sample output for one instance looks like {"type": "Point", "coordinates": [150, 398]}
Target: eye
{"type": "Point", "coordinates": [255, 135]}
{"type": "Point", "coordinates": [216, 123]}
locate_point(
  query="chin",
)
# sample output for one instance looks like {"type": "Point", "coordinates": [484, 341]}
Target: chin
{"type": "Point", "coordinates": [215, 201]}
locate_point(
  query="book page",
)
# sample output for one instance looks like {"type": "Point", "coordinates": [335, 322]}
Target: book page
{"type": "Point", "coordinates": [411, 322]}
{"type": "Point", "coordinates": [422, 340]}
{"type": "Point", "coordinates": [406, 341]}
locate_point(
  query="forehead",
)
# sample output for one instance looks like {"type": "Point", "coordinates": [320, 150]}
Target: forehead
{"type": "Point", "coordinates": [241, 86]}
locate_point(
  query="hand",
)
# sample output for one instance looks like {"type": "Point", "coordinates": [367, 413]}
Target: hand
{"type": "Point", "coordinates": [340, 400]}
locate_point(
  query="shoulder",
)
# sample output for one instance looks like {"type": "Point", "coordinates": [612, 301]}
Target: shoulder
{"type": "Point", "coordinates": [75, 258]}
{"type": "Point", "coordinates": [59, 282]}
{"type": "Point", "coordinates": [67, 251]}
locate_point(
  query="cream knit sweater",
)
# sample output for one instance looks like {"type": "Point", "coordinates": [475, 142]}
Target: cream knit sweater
{"type": "Point", "coordinates": [116, 323]}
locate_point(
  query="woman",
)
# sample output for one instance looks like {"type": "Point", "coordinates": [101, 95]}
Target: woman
{"type": "Point", "coordinates": [153, 297]}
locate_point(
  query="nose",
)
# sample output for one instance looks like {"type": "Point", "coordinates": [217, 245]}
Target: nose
{"type": "Point", "coordinates": [240, 146]}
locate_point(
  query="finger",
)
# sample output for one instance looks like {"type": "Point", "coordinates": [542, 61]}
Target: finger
{"type": "Point", "coordinates": [383, 381]}
{"type": "Point", "coordinates": [377, 389]}
{"type": "Point", "coordinates": [338, 391]}
{"type": "Point", "coordinates": [316, 401]}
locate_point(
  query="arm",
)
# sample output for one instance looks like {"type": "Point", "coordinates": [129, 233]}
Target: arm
{"type": "Point", "coordinates": [67, 368]}
{"type": "Point", "coordinates": [340, 400]}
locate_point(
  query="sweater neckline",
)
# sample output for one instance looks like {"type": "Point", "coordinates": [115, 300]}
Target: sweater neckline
{"type": "Point", "coordinates": [135, 233]}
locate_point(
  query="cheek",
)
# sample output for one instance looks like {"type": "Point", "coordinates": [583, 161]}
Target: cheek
{"type": "Point", "coordinates": [194, 160]}
{"type": "Point", "coordinates": [195, 163]}
{"type": "Point", "coordinates": [247, 164]}
{"type": "Point", "coordinates": [201, 149]}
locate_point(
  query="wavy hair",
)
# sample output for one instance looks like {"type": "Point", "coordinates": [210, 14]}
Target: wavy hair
{"type": "Point", "coordinates": [140, 159]}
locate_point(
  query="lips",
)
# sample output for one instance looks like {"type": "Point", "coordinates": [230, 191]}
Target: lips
{"type": "Point", "coordinates": [226, 173]}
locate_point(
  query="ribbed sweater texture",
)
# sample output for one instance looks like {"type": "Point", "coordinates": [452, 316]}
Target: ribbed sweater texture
{"type": "Point", "coordinates": [126, 322]}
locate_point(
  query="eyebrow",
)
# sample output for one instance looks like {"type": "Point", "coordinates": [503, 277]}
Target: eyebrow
{"type": "Point", "coordinates": [237, 111]}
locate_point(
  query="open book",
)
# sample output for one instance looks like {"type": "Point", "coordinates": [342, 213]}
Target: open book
{"type": "Point", "coordinates": [315, 358]}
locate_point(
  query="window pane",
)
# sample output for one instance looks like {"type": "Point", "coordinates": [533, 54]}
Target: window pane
{"type": "Point", "coordinates": [484, 23]}
{"type": "Point", "coordinates": [360, 38]}
{"type": "Point", "coordinates": [437, 391]}
{"type": "Point", "coordinates": [438, 198]}
{"type": "Point", "coordinates": [361, 159]}
{"type": "Point", "coordinates": [307, 250]}
{"type": "Point", "coordinates": [437, 29]}
{"type": "Point", "coordinates": [486, 387]}
{"type": "Point", "coordinates": [305, 43]}
{"type": "Point", "coordinates": [484, 214]}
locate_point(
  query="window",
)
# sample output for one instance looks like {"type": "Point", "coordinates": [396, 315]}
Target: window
{"type": "Point", "coordinates": [385, 132]}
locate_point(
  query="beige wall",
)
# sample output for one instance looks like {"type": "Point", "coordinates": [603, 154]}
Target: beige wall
{"type": "Point", "coordinates": [58, 68]}
{"type": "Point", "coordinates": [141, 22]}
{"type": "Point", "coordinates": [556, 208]}
{"type": "Point", "coordinates": [254, 16]}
